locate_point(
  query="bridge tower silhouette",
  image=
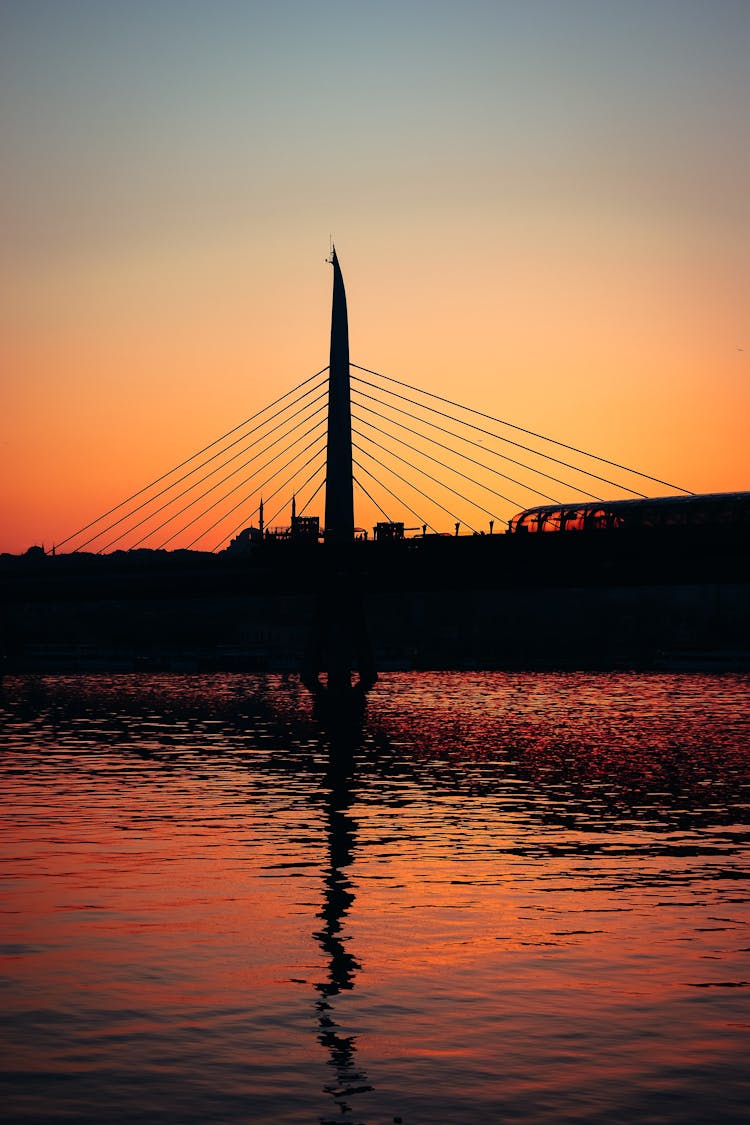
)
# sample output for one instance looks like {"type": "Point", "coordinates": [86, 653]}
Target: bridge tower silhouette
{"type": "Point", "coordinates": [338, 637]}
{"type": "Point", "coordinates": [339, 507]}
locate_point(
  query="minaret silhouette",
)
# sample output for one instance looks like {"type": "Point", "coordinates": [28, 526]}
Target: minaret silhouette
{"type": "Point", "coordinates": [339, 511]}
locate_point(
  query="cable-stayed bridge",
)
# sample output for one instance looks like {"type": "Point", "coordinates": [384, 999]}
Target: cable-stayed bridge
{"type": "Point", "coordinates": [418, 458]}
{"type": "Point", "coordinates": [203, 559]}
{"type": "Point", "coordinates": [364, 440]}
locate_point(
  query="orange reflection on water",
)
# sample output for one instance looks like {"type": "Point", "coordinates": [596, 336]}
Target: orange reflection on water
{"type": "Point", "coordinates": [508, 914]}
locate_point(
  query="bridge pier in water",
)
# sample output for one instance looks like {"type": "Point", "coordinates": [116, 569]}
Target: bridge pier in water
{"type": "Point", "coordinates": [338, 638]}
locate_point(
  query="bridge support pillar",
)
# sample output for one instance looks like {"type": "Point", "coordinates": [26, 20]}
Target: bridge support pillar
{"type": "Point", "coordinates": [339, 637]}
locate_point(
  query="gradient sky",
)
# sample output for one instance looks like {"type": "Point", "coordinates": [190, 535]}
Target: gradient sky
{"type": "Point", "coordinates": [540, 208]}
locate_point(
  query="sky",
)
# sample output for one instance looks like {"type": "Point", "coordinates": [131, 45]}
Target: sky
{"type": "Point", "coordinates": [540, 208]}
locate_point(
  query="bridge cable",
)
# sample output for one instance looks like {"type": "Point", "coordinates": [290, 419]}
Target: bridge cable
{"type": "Point", "coordinates": [531, 433]}
{"type": "Point", "coordinates": [372, 499]}
{"type": "Point", "coordinates": [416, 488]}
{"type": "Point", "coordinates": [253, 493]}
{"type": "Point", "coordinates": [442, 464]}
{"type": "Point", "coordinates": [256, 509]}
{"type": "Point", "coordinates": [312, 496]}
{"type": "Point", "coordinates": [485, 449]}
{"type": "Point", "coordinates": [187, 460]}
{"type": "Point", "coordinates": [232, 490]}
{"type": "Point", "coordinates": [193, 503]}
{"type": "Point", "coordinates": [508, 441]}
{"type": "Point", "coordinates": [197, 468]}
{"type": "Point", "coordinates": [197, 500]}
{"type": "Point", "coordinates": [439, 483]}
{"type": "Point", "coordinates": [304, 484]}
{"type": "Point", "coordinates": [212, 488]}
{"type": "Point", "coordinates": [450, 449]}
{"type": "Point", "coordinates": [390, 492]}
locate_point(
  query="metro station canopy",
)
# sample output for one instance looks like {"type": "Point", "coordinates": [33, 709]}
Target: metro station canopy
{"type": "Point", "coordinates": [708, 510]}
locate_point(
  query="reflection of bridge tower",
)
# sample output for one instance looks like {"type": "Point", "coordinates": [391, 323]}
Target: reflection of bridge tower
{"type": "Point", "coordinates": [339, 513]}
{"type": "Point", "coordinates": [348, 1079]}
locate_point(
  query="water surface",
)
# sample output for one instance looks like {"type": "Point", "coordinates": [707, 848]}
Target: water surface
{"type": "Point", "coordinates": [524, 900]}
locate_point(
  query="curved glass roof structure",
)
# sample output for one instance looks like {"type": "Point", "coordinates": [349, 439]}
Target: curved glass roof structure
{"type": "Point", "coordinates": [708, 510]}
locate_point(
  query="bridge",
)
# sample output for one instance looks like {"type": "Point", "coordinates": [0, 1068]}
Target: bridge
{"type": "Point", "coordinates": [426, 465]}
{"type": "Point", "coordinates": [443, 479]}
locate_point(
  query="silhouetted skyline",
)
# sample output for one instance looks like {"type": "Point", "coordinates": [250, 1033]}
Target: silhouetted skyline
{"type": "Point", "coordinates": [540, 209]}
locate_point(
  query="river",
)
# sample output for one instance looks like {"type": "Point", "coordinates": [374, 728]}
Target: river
{"type": "Point", "coordinates": [519, 897]}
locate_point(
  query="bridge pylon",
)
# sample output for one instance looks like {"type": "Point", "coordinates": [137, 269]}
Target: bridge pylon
{"type": "Point", "coordinates": [339, 511]}
{"type": "Point", "coordinates": [338, 637]}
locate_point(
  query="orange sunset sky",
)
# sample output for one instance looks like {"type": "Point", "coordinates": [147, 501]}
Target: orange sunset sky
{"type": "Point", "coordinates": [540, 209]}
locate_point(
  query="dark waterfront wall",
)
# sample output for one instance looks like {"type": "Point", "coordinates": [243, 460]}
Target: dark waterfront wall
{"type": "Point", "coordinates": [559, 601]}
{"type": "Point", "coordinates": [572, 627]}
